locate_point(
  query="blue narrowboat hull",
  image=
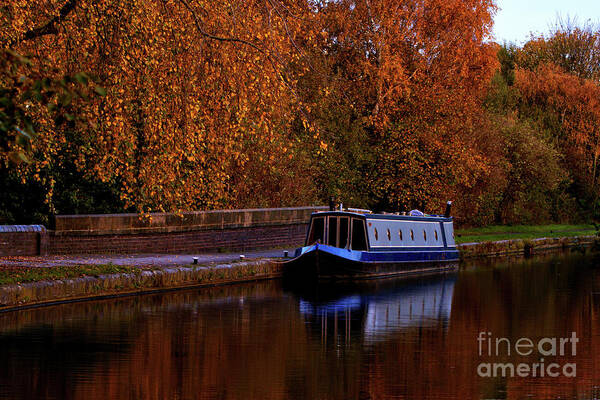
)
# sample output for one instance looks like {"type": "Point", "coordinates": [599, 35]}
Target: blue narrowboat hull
{"type": "Point", "coordinates": [322, 262]}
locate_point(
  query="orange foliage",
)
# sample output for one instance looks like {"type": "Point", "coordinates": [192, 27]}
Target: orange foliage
{"type": "Point", "coordinates": [191, 85]}
{"type": "Point", "coordinates": [203, 107]}
{"type": "Point", "coordinates": [277, 102]}
{"type": "Point", "coordinates": [575, 102]}
{"type": "Point", "coordinates": [415, 73]}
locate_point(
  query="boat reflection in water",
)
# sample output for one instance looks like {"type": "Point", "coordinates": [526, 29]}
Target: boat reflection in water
{"type": "Point", "coordinates": [375, 310]}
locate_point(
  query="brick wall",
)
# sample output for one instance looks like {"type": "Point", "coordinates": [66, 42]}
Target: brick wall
{"type": "Point", "coordinates": [180, 242]}
{"type": "Point", "coordinates": [22, 240]}
{"type": "Point", "coordinates": [194, 232]}
{"type": "Point", "coordinates": [19, 244]}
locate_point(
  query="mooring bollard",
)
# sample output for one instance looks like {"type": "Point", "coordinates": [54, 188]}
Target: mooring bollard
{"type": "Point", "coordinates": [528, 249]}
{"type": "Point", "coordinates": [195, 260]}
{"type": "Point", "coordinates": [242, 256]}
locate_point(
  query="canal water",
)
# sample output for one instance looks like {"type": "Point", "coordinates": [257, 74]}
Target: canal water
{"type": "Point", "coordinates": [440, 337]}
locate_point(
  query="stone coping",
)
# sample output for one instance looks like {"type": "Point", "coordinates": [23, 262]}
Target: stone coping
{"type": "Point", "coordinates": [22, 228]}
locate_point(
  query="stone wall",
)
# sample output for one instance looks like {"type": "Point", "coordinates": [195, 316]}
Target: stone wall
{"type": "Point", "coordinates": [110, 224]}
{"type": "Point", "coordinates": [190, 232]}
{"type": "Point", "coordinates": [522, 247]}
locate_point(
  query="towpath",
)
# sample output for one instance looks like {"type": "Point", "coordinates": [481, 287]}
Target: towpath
{"type": "Point", "coordinates": [141, 260]}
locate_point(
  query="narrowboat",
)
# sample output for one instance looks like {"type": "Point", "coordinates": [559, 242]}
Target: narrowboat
{"type": "Point", "coordinates": [354, 243]}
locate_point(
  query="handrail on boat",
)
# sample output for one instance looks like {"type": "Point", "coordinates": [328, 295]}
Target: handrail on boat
{"type": "Point", "coordinates": [359, 210]}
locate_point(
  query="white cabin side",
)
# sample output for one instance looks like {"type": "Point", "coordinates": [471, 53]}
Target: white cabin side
{"type": "Point", "coordinates": [405, 233]}
{"type": "Point", "coordinates": [414, 307]}
{"type": "Point", "coordinates": [449, 230]}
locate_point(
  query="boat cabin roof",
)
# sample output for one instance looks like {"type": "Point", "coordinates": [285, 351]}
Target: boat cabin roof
{"type": "Point", "coordinates": [390, 216]}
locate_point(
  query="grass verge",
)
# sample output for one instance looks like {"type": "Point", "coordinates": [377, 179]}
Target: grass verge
{"type": "Point", "coordinates": [495, 233]}
{"type": "Point", "coordinates": [15, 275]}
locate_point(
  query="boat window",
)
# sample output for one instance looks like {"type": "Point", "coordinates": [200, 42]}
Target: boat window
{"type": "Point", "coordinates": [412, 235]}
{"type": "Point", "coordinates": [317, 229]}
{"type": "Point", "coordinates": [424, 235]}
{"type": "Point", "coordinates": [436, 236]}
{"type": "Point", "coordinates": [389, 235]}
{"type": "Point", "coordinates": [400, 233]}
{"type": "Point", "coordinates": [359, 238]}
{"type": "Point", "coordinates": [376, 234]}
{"type": "Point", "coordinates": [343, 240]}
{"type": "Point", "coordinates": [332, 229]}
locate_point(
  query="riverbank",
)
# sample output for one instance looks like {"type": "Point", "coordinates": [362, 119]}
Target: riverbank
{"type": "Point", "coordinates": [52, 280]}
{"type": "Point", "coordinates": [137, 281]}
{"type": "Point", "coordinates": [525, 247]}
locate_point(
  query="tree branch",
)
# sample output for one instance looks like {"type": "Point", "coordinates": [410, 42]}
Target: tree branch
{"type": "Point", "coordinates": [273, 59]}
{"type": "Point", "coordinates": [207, 35]}
{"type": "Point", "coordinates": [50, 27]}
{"type": "Point", "coordinates": [285, 26]}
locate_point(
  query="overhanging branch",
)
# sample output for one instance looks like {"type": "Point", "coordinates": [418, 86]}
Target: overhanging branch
{"type": "Point", "coordinates": [49, 28]}
{"type": "Point", "coordinates": [208, 35]}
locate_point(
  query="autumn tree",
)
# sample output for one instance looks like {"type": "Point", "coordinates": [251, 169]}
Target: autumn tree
{"type": "Point", "coordinates": [556, 89]}
{"type": "Point", "coordinates": [192, 88]}
{"type": "Point", "coordinates": [400, 102]}
{"type": "Point", "coordinates": [569, 108]}
{"type": "Point", "coordinates": [385, 104]}
{"type": "Point", "coordinates": [574, 49]}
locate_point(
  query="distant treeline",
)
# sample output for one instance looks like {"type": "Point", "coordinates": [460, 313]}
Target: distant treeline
{"type": "Point", "coordinates": [166, 105]}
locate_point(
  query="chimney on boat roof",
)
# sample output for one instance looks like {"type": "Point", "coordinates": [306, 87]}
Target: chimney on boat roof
{"type": "Point", "coordinates": [448, 208]}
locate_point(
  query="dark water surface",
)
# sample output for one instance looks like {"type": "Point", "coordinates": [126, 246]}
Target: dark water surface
{"type": "Point", "coordinates": [396, 339]}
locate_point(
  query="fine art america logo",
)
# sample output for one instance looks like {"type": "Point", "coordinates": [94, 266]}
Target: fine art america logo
{"type": "Point", "coordinates": [502, 347]}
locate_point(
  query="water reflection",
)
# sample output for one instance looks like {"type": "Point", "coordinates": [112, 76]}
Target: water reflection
{"type": "Point", "coordinates": [379, 340]}
{"type": "Point", "coordinates": [379, 308]}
